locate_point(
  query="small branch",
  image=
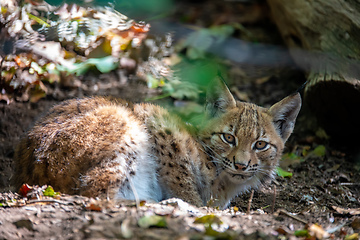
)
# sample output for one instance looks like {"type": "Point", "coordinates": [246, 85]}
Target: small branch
{"type": "Point", "coordinates": [250, 201]}
{"type": "Point", "coordinates": [284, 212]}
{"type": "Point", "coordinates": [350, 184]}
{"type": "Point", "coordinates": [49, 201]}
{"type": "Point", "coordinates": [274, 200]}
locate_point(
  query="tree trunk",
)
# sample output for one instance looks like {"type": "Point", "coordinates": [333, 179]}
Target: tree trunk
{"type": "Point", "coordinates": [329, 30]}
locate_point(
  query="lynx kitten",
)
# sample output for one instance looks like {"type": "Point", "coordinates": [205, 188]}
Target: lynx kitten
{"type": "Point", "coordinates": [97, 147]}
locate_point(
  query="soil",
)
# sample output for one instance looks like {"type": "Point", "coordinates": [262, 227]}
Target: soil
{"type": "Point", "coordinates": [318, 184]}
{"type": "Point", "coordinates": [324, 188]}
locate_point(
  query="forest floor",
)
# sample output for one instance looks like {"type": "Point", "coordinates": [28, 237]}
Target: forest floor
{"type": "Point", "coordinates": [322, 197]}
{"type": "Point", "coordinates": [321, 190]}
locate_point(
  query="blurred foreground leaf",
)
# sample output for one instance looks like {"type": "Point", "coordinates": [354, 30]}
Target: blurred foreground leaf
{"type": "Point", "coordinates": [181, 90]}
{"type": "Point", "coordinates": [301, 233]}
{"type": "Point", "coordinates": [104, 65]}
{"type": "Point", "coordinates": [200, 42]}
{"type": "Point", "coordinates": [152, 221]}
{"type": "Point", "coordinates": [208, 220]}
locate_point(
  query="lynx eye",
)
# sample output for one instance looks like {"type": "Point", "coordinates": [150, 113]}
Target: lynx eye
{"type": "Point", "coordinates": [228, 138]}
{"type": "Point", "coordinates": [261, 145]}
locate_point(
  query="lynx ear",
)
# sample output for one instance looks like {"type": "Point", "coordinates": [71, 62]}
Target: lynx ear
{"type": "Point", "coordinates": [218, 98]}
{"type": "Point", "coordinates": [284, 114]}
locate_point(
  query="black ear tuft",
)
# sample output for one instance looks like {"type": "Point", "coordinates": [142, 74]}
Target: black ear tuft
{"type": "Point", "coordinates": [284, 114]}
{"type": "Point", "coordinates": [218, 98]}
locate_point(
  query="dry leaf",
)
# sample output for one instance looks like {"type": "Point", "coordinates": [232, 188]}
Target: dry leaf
{"type": "Point", "coordinates": [351, 211]}
{"type": "Point", "coordinates": [24, 190]}
{"type": "Point", "coordinates": [318, 232]}
{"type": "Point", "coordinates": [354, 236]}
{"type": "Point", "coordinates": [94, 207]}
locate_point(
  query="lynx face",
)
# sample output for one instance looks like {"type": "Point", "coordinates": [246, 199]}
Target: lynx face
{"type": "Point", "coordinates": [245, 141]}
{"type": "Point", "coordinates": [247, 146]}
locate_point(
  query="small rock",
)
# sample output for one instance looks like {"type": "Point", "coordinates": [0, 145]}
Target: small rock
{"type": "Point", "coordinates": [24, 223]}
{"type": "Point", "coordinates": [356, 224]}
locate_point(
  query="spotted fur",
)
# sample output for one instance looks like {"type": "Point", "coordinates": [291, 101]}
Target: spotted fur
{"type": "Point", "coordinates": [101, 147]}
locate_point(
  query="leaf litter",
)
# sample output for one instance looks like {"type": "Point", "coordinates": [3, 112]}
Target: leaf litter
{"type": "Point", "coordinates": [49, 44]}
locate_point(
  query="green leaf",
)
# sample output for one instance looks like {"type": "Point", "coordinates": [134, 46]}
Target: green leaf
{"type": "Point", "coordinates": [320, 151]}
{"type": "Point", "coordinates": [104, 65]}
{"type": "Point", "coordinates": [153, 82]}
{"type": "Point", "coordinates": [354, 236]}
{"type": "Point", "coordinates": [290, 156]}
{"type": "Point", "coordinates": [38, 20]}
{"type": "Point", "coordinates": [181, 90]}
{"type": "Point", "coordinates": [200, 42]}
{"type": "Point", "coordinates": [36, 68]}
{"type": "Point", "coordinates": [208, 220]}
{"type": "Point", "coordinates": [152, 221]}
{"type": "Point", "coordinates": [282, 173]}
{"type": "Point", "coordinates": [301, 233]}
{"type": "Point", "coordinates": [49, 192]}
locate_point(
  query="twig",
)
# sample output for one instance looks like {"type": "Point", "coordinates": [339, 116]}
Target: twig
{"type": "Point", "coordinates": [250, 201]}
{"type": "Point", "coordinates": [274, 200]}
{"type": "Point", "coordinates": [349, 184]}
{"type": "Point", "coordinates": [49, 201]}
{"type": "Point", "coordinates": [282, 211]}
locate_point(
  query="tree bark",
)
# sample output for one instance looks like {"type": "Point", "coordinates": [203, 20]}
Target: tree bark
{"type": "Point", "coordinates": [329, 31]}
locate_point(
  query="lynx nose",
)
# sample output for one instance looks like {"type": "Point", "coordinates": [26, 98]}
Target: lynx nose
{"type": "Point", "coordinates": [240, 167]}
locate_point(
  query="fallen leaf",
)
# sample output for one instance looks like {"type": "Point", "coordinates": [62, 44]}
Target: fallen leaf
{"type": "Point", "coordinates": [289, 159]}
{"type": "Point", "coordinates": [354, 236]}
{"type": "Point", "coordinates": [351, 211]}
{"type": "Point", "coordinates": [302, 233]}
{"type": "Point", "coordinates": [319, 151]}
{"type": "Point", "coordinates": [262, 80]}
{"type": "Point", "coordinates": [93, 207]}
{"type": "Point", "coordinates": [24, 190]}
{"type": "Point", "coordinates": [236, 209]}
{"type": "Point", "coordinates": [333, 168]}
{"type": "Point", "coordinates": [305, 150]}
{"type": "Point", "coordinates": [38, 92]}
{"type": "Point", "coordinates": [152, 221]}
{"type": "Point", "coordinates": [182, 90]}
{"type": "Point", "coordinates": [282, 173]}
{"type": "Point", "coordinates": [318, 232]}
{"type": "Point", "coordinates": [208, 219]}
{"type": "Point", "coordinates": [104, 65]}
{"type": "Point", "coordinates": [201, 41]}
{"type": "Point", "coordinates": [282, 231]}
{"type": "Point", "coordinates": [49, 192]}
{"type": "Point", "coordinates": [125, 229]}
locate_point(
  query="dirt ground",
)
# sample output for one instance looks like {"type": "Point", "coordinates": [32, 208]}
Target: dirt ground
{"type": "Point", "coordinates": [318, 184]}
{"type": "Point", "coordinates": [324, 188]}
